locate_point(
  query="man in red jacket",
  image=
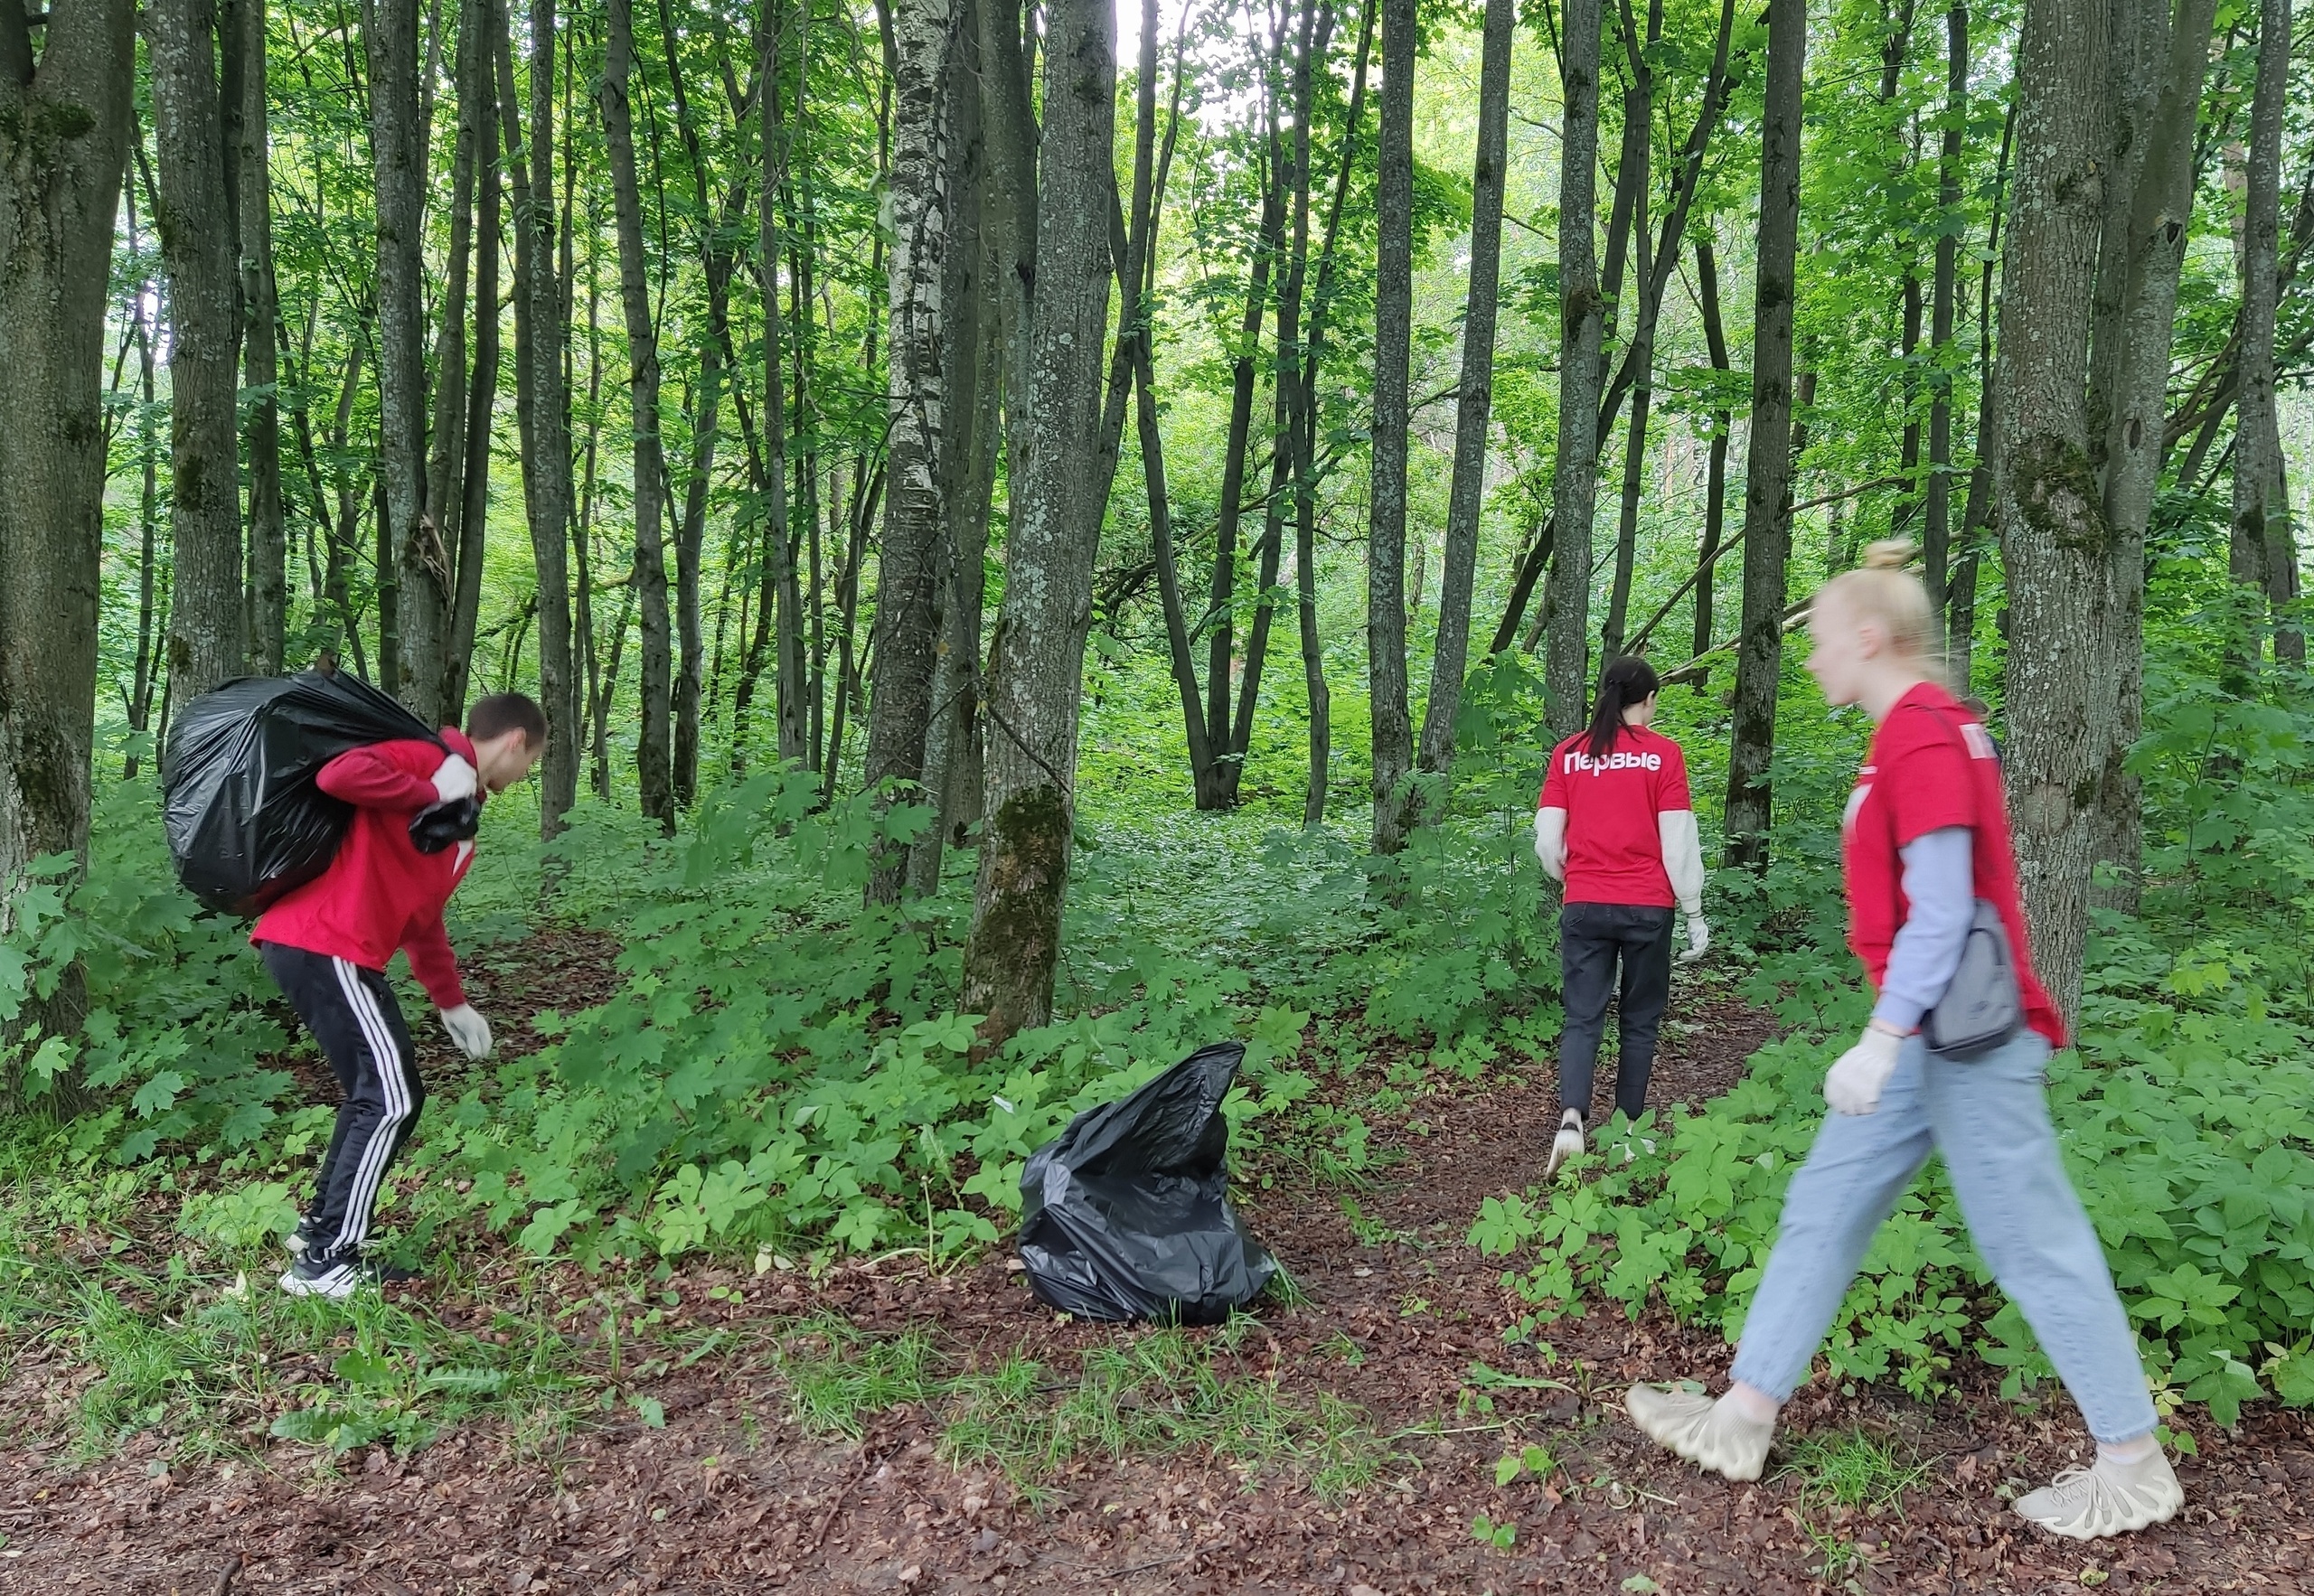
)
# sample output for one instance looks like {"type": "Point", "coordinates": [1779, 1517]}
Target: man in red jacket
{"type": "Point", "coordinates": [327, 944]}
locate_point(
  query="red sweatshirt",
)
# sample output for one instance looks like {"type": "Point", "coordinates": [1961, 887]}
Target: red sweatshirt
{"type": "Point", "coordinates": [379, 893]}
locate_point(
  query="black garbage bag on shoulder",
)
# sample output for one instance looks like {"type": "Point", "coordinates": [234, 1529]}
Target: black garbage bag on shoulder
{"type": "Point", "coordinates": [247, 823]}
{"type": "Point", "coordinates": [1126, 1212]}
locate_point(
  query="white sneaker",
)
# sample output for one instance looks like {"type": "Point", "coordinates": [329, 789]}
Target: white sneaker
{"type": "Point", "coordinates": [305, 1278]}
{"type": "Point", "coordinates": [1567, 1144]}
{"type": "Point", "coordinates": [1700, 1429]}
{"type": "Point", "coordinates": [2108, 1498]}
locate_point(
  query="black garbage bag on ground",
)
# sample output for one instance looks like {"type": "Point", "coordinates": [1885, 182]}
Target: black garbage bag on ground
{"type": "Point", "coordinates": [1126, 1212]}
{"type": "Point", "coordinates": [246, 822]}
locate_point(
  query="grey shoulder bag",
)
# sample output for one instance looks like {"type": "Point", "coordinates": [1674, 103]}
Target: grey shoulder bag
{"type": "Point", "coordinates": [1982, 1009]}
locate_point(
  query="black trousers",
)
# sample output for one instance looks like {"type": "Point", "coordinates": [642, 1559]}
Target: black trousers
{"type": "Point", "coordinates": [1593, 939]}
{"type": "Point", "coordinates": [359, 1028]}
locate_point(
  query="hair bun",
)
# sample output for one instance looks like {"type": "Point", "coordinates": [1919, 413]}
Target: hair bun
{"type": "Point", "coordinates": [1888, 554]}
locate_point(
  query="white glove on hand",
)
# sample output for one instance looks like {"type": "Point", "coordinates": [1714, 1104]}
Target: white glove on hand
{"type": "Point", "coordinates": [1853, 1086]}
{"type": "Point", "coordinates": [455, 780]}
{"type": "Point", "coordinates": [468, 1030]}
{"type": "Point", "coordinates": [1698, 939]}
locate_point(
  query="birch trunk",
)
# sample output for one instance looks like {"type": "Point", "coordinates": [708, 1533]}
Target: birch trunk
{"type": "Point", "coordinates": [1767, 486]}
{"type": "Point", "coordinates": [908, 600]}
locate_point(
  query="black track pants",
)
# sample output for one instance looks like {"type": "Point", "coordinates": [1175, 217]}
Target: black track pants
{"type": "Point", "coordinates": [354, 1019]}
{"type": "Point", "coordinates": [1593, 939]}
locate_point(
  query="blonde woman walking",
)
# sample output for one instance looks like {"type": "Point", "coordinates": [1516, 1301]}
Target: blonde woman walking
{"type": "Point", "coordinates": [1927, 843]}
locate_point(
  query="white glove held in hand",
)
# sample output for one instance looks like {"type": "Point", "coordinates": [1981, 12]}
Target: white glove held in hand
{"type": "Point", "coordinates": [1854, 1085]}
{"type": "Point", "coordinates": [468, 1030]}
{"type": "Point", "coordinates": [455, 780]}
{"type": "Point", "coordinates": [1550, 841]}
{"type": "Point", "coordinates": [1698, 939]}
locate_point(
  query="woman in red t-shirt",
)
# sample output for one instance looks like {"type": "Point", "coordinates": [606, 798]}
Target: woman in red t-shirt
{"type": "Point", "coordinates": [1927, 843]}
{"type": "Point", "coordinates": [1613, 822]}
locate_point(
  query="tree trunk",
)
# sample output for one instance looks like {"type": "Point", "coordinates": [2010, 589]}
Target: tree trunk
{"type": "Point", "coordinates": [1037, 663]}
{"type": "Point", "coordinates": [790, 682]}
{"type": "Point", "coordinates": [144, 676]}
{"type": "Point", "coordinates": [1937, 502]}
{"type": "Point", "coordinates": [268, 545]}
{"type": "Point", "coordinates": [448, 456]}
{"type": "Point", "coordinates": [1386, 611]}
{"type": "Point", "coordinates": [1768, 488]}
{"type": "Point", "coordinates": [2053, 523]}
{"type": "Point", "coordinates": [1611, 635]}
{"type": "Point", "coordinates": [199, 247]}
{"type": "Point", "coordinates": [59, 195]}
{"type": "Point", "coordinates": [2132, 409]}
{"type": "Point", "coordinates": [952, 753]}
{"type": "Point", "coordinates": [540, 335]}
{"type": "Point", "coordinates": [1475, 397]}
{"type": "Point", "coordinates": [952, 764]}
{"type": "Point", "coordinates": [2264, 555]}
{"type": "Point", "coordinates": [1715, 500]}
{"type": "Point", "coordinates": [1961, 608]}
{"type": "Point", "coordinates": [653, 752]}
{"type": "Point", "coordinates": [397, 143]}
{"type": "Point", "coordinates": [1566, 666]}
{"type": "Point", "coordinates": [482, 394]}
{"type": "Point", "coordinates": [717, 264]}
{"type": "Point", "coordinates": [908, 600]}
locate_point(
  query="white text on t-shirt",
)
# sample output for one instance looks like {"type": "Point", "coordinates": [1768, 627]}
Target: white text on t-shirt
{"type": "Point", "coordinates": [1578, 762]}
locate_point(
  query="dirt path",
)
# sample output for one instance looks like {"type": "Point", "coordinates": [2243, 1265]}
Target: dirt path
{"type": "Point", "coordinates": [731, 1495]}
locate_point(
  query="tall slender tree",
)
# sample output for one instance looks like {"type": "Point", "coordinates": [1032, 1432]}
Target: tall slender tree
{"type": "Point", "coordinates": [908, 597]}
{"type": "Point", "coordinates": [199, 246]}
{"type": "Point", "coordinates": [1566, 665]}
{"type": "Point", "coordinates": [398, 154]}
{"type": "Point", "coordinates": [2264, 553]}
{"type": "Point", "coordinates": [1767, 485]}
{"type": "Point", "coordinates": [1475, 397]}
{"type": "Point", "coordinates": [1386, 611]}
{"type": "Point", "coordinates": [268, 582]}
{"type": "Point", "coordinates": [655, 745]}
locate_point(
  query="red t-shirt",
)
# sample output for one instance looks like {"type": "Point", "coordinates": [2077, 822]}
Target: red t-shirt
{"type": "Point", "coordinates": [1931, 765]}
{"type": "Point", "coordinates": [1614, 851]}
{"type": "Point", "coordinates": [379, 893]}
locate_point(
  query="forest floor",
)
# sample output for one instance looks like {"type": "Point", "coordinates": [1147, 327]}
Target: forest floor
{"type": "Point", "coordinates": [886, 1428]}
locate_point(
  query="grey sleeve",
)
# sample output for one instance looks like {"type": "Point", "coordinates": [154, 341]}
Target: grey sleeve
{"type": "Point", "coordinates": [1940, 892]}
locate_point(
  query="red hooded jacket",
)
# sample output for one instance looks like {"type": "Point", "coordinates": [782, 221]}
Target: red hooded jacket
{"type": "Point", "coordinates": [379, 893]}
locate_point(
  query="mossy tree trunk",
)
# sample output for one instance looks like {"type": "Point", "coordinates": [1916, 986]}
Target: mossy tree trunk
{"type": "Point", "coordinates": [66, 124]}
{"type": "Point", "coordinates": [1037, 659]}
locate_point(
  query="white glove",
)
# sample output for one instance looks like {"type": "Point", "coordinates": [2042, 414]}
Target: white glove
{"type": "Point", "coordinates": [1550, 841]}
{"type": "Point", "coordinates": [1853, 1085]}
{"type": "Point", "coordinates": [1698, 939]}
{"type": "Point", "coordinates": [455, 780]}
{"type": "Point", "coordinates": [468, 1030]}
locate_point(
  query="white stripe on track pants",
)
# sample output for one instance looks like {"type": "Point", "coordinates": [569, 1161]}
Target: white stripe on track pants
{"type": "Point", "coordinates": [354, 1019]}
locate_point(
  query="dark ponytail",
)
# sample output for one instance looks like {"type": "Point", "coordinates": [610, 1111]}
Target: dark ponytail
{"type": "Point", "coordinates": [1626, 681]}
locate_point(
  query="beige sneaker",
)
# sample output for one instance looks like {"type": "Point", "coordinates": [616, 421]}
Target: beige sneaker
{"type": "Point", "coordinates": [1702, 1430]}
{"type": "Point", "coordinates": [1567, 1144]}
{"type": "Point", "coordinates": [2108, 1498]}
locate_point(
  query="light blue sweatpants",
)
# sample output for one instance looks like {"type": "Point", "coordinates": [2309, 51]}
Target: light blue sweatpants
{"type": "Point", "coordinates": [1989, 1120]}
